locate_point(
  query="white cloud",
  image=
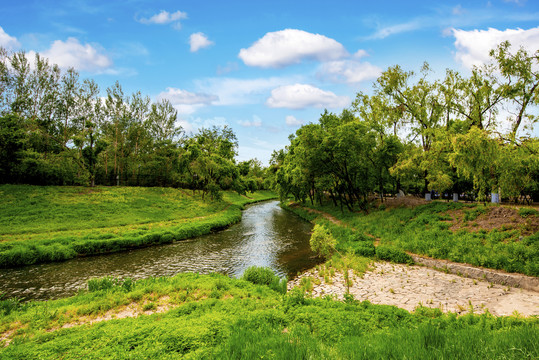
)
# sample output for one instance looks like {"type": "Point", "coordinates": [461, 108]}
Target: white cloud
{"type": "Point", "coordinates": [292, 121]}
{"type": "Point", "coordinates": [184, 97]}
{"type": "Point", "coordinates": [300, 96]}
{"type": "Point", "coordinates": [255, 122]}
{"type": "Point", "coordinates": [185, 101]}
{"type": "Point", "coordinates": [82, 57]}
{"type": "Point", "coordinates": [233, 91]}
{"type": "Point", "coordinates": [473, 46]}
{"type": "Point", "coordinates": [348, 71]}
{"type": "Point", "coordinates": [290, 46]}
{"type": "Point", "coordinates": [164, 17]}
{"type": "Point", "coordinates": [199, 41]}
{"type": "Point", "coordinates": [384, 32]}
{"type": "Point", "coordinates": [191, 124]}
{"type": "Point", "coordinates": [8, 42]}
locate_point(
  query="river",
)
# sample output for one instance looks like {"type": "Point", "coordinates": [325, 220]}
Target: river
{"type": "Point", "coordinates": [266, 236]}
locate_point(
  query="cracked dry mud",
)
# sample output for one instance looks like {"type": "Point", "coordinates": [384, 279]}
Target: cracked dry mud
{"type": "Point", "coordinates": [408, 286]}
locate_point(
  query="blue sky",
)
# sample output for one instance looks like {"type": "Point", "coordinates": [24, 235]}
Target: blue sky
{"type": "Point", "coordinates": [261, 67]}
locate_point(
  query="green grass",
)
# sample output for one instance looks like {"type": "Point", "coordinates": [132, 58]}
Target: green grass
{"type": "Point", "coordinates": [424, 230]}
{"type": "Point", "coordinates": [45, 224]}
{"type": "Point", "coordinates": [216, 317]}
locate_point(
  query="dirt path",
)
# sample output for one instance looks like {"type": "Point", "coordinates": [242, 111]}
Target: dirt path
{"type": "Point", "coordinates": [408, 286]}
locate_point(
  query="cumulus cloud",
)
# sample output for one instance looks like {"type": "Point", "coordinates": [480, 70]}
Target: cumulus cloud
{"type": "Point", "coordinates": [291, 46]}
{"type": "Point", "coordinates": [184, 97]}
{"type": "Point", "coordinates": [350, 71]}
{"type": "Point", "coordinates": [164, 17]}
{"type": "Point", "coordinates": [300, 96]}
{"type": "Point", "coordinates": [255, 122]}
{"type": "Point", "coordinates": [473, 46]}
{"type": "Point", "coordinates": [199, 41]}
{"type": "Point", "coordinates": [71, 53]}
{"type": "Point", "coordinates": [292, 121]}
{"type": "Point", "coordinates": [187, 102]}
{"type": "Point", "coordinates": [6, 41]}
{"type": "Point", "coordinates": [233, 91]}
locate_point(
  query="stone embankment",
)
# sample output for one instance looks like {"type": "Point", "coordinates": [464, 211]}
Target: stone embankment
{"type": "Point", "coordinates": [409, 286]}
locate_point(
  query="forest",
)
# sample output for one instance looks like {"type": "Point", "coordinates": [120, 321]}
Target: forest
{"type": "Point", "coordinates": [417, 134]}
{"type": "Point", "coordinates": [467, 135]}
{"type": "Point", "coordinates": [57, 129]}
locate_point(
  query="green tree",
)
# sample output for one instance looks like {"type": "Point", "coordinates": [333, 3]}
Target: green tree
{"type": "Point", "coordinates": [322, 242]}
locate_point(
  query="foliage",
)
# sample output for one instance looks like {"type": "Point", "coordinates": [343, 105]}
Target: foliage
{"type": "Point", "coordinates": [393, 254]}
{"type": "Point", "coordinates": [525, 212]}
{"type": "Point", "coordinates": [322, 242]}
{"type": "Point", "coordinates": [264, 276]}
{"type": "Point", "coordinates": [424, 230]}
{"type": "Point", "coordinates": [244, 320]}
{"type": "Point", "coordinates": [56, 129]}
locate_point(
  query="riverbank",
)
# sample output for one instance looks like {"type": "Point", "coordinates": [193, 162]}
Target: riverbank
{"type": "Point", "coordinates": [216, 317]}
{"type": "Point", "coordinates": [492, 236]}
{"type": "Point", "coordinates": [410, 286]}
{"type": "Point", "coordinates": [49, 224]}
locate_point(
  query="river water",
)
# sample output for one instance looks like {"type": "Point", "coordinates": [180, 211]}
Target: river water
{"type": "Point", "coordinates": [266, 236]}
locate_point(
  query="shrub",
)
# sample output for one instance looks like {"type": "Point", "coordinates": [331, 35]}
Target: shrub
{"type": "Point", "coordinates": [265, 276]}
{"type": "Point", "coordinates": [322, 242]}
{"type": "Point", "coordinates": [525, 212]}
{"type": "Point", "coordinates": [393, 254]}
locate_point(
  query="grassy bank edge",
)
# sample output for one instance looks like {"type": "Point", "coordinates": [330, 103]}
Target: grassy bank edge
{"type": "Point", "coordinates": [425, 233]}
{"type": "Point", "coordinates": [20, 253]}
{"type": "Point", "coordinates": [350, 241]}
{"type": "Point", "coordinates": [214, 316]}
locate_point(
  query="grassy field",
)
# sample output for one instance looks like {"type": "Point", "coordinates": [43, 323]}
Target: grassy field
{"type": "Point", "coordinates": [212, 316]}
{"type": "Point", "coordinates": [467, 233]}
{"type": "Point", "coordinates": [44, 224]}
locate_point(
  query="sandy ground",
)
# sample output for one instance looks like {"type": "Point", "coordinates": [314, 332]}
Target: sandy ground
{"type": "Point", "coordinates": [409, 286]}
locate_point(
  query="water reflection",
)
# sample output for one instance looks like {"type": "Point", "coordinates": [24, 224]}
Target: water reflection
{"type": "Point", "coordinates": [266, 236]}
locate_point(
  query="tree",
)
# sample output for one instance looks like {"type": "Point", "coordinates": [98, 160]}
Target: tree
{"type": "Point", "coordinates": [521, 87]}
{"type": "Point", "coordinates": [477, 156]}
{"type": "Point", "coordinates": [11, 143]}
{"type": "Point", "coordinates": [421, 103]}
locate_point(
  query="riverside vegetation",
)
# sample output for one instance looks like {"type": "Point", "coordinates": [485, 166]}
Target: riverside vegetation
{"type": "Point", "coordinates": [426, 230]}
{"type": "Point", "coordinates": [45, 224]}
{"type": "Point", "coordinates": [215, 317]}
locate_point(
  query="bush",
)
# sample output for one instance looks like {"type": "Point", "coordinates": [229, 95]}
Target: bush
{"type": "Point", "coordinates": [393, 254]}
{"type": "Point", "coordinates": [322, 242]}
{"type": "Point", "coordinates": [108, 283]}
{"type": "Point", "coordinates": [525, 212]}
{"type": "Point", "coordinates": [265, 276]}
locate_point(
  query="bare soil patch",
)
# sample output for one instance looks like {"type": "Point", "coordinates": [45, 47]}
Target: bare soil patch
{"type": "Point", "coordinates": [500, 217]}
{"type": "Point", "coordinates": [404, 201]}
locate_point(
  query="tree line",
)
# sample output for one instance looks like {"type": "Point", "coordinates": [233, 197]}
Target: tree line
{"type": "Point", "coordinates": [417, 134]}
{"type": "Point", "coordinates": [57, 129]}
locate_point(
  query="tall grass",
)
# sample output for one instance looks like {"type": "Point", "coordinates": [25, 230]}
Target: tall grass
{"type": "Point", "coordinates": [216, 317]}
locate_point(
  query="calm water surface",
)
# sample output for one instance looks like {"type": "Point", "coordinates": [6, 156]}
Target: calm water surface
{"type": "Point", "coordinates": [266, 236]}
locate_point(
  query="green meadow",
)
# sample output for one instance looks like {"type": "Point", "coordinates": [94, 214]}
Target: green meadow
{"type": "Point", "coordinates": [425, 230]}
{"type": "Point", "coordinates": [49, 223]}
{"type": "Point", "coordinates": [193, 316]}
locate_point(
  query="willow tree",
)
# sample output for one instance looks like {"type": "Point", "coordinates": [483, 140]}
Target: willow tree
{"type": "Point", "coordinates": [520, 71]}
{"type": "Point", "coordinates": [420, 103]}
